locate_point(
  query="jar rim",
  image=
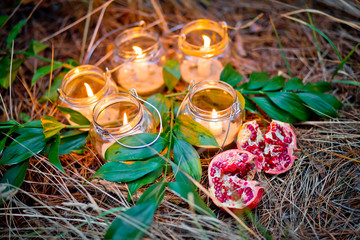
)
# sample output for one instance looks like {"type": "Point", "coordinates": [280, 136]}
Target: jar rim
{"type": "Point", "coordinates": [204, 24]}
{"type": "Point", "coordinates": [205, 114]}
{"type": "Point", "coordinates": [80, 71]}
{"type": "Point", "coordinates": [112, 99]}
{"type": "Point", "coordinates": [132, 33]}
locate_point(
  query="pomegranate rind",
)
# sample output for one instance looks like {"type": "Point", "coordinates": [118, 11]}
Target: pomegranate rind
{"type": "Point", "coordinates": [244, 134]}
{"type": "Point", "coordinates": [231, 196]}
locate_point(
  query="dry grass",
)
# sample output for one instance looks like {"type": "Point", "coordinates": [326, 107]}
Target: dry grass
{"type": "Point", "coordinates": [319, 198]}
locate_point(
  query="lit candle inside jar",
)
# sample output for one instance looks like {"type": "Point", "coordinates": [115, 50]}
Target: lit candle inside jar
{"type": "Point", "coordinates": [215, 126]}
{"type": "Point", "coordinates": [139, 57]}
{"type": "Point", "coordinates": [214, 105]}
{"type": "Point", "coordinates": [203, 48]}
{"type": "Point", "coordinates": [118, 116]}
{"type": "Point", "coordinates": [88, 90]}
{"type": "Point", "coordinates": [82, 87]}
{"type": "Point", "coordinates": [203, 66]}
{"type": "Point", "coordinates": [140, 65]}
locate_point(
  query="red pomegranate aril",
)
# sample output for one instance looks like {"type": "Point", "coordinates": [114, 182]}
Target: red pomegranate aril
{"type": "Point", "coordinates": [278, 141]}
{"type": "Point", "coordinates": [238, 169]}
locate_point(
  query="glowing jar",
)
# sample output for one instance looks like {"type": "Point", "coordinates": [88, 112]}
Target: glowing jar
{"type": "Point", "coordinates": [139, 57]}
{"type": "Point", "coordinates": [82, 87]}
{"type": "Point", "coordinates": [214, 104]}
{"type": "Point", "coordinates": [204, 48]}
{"type": "Point", "coordinates": [117, 116]}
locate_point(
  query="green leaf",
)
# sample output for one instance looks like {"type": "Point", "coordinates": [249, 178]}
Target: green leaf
{"type": "Point", "coordinates": [355, 83]}
{"type": "Point", "coordinates": [319, 105]}
{"type": "Point", "coordinates": [291, 103]}
{"type": "Point", "coordinates": [250, 106]}
{"type": "Point", "coordinates": [171, 74]}
{"type": "Point", "coordinates": [293, 84]}
{"type": "Point", "coordinates": [51, 126]}
{"type": "Point", "coordinates": [257, 80]}
{"type": "Point", "coordinates": [161, 103]}
{"type": "Point", "coordinates": [187, 158]}
{"type": "Point", "coordinates": [133, 223]}
{"type": "Point", "coordinates": [24, 117]}
{"type": "Point", "coordinates": [147, 179]}
{"type": "Point", "coordinates": [127, 172]}
{"type": "Point", "coordinates": [29, 143]}
{"type": "Point", "coordinates": [344, 60]}
{"type": "Point", "coordinates": [52, 95]}
{"type": "Point", "coordinates": [333, 101]}
{"type": "Point", "coordinates": [117, 152]}
{"type": "Point", "coordinates": [274, 84]}
{"type": "Point", "coordinates": [185, 189]}
{"type": "Point", "coordinates": [15, 176]}
{"type": "Point", "coordinates": [75, 116]}
{"type": "Point", "coordinates": [71, 141]}
{"type": "Point", "coordinates": [41, 72]}
{"type": "Point", "coordinates": [54, 154]}
{"type": "Point", "coordinates": [317, 87]}
{"type": "Point", "coordinates": [272, 110]}
{"type": "Point", "coordinates": [36, 47]}
{"type": "Point", "coordinates": [33, 124]}
{"type": "Point", "coordinates": [72, 62]}
{"type": "Point", "coordinates": [14, 32]}
{"type": "Point", "coordinates": [230, 76]}
{"type": "Point", "coordinates": [5, 71]}
{"type": "Point", "coordinates": [154, 192]}
{"type": "Point", "coordinates": [3, 20]}
{"type": "Point", "coordinates": [193, 132]}
{"type": "Point", "coordinates": [281, 48]}
{"type": "Point", "coordinates": [10, 122]}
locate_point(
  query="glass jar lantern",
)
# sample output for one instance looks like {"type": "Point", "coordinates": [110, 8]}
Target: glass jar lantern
{"type": "Point", "coordinates": [117, 116]}
{"type": "Point", "coordinates": [139, 57]}
{"type": "Point", "coordinates": [204, 48]}
{"type": "Point", "coordinates": [82, 87]}
{"type": "Point", "coordinates": [214, 104]}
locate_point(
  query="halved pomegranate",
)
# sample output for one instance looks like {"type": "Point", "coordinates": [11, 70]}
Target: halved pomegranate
{"type": "Point", "coordinates": [275, 150]}
{"type": "Point", "coordinates": [230, 179]}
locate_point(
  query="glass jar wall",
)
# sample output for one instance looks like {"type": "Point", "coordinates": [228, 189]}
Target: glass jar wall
{"type": "Point", "coordinates": [117, 116]}
{"type": "Point", "coordinates": [214, 104]}
{"type": "Point", "coordinates": [204, 49]}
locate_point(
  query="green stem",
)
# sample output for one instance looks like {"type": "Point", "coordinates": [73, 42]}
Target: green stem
{"type": "Point", "coordinates": [171, 134]}
{"type": "Point", "coordinates": [176, 94]}
{"type": "Point", "coordinates": [76, 126]}
{"type": "Point", "coordinates": [249, 92]}
{"type": "Point", "coordinates": [65, 65]}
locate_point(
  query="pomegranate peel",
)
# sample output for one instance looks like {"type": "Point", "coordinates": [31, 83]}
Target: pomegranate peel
{"type": "Point", "coordinates": [275, 149]}
{"type": "Point", "coordinates": [230, 179]}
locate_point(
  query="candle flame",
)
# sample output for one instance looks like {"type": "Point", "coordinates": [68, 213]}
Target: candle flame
{"type": "Point", "coordinates": [125, 120]}
{"type": "Point", "coordinates": [88, 90]}
{"type": "Point", "coordinates": [214, 114]}
{"type": "Point", "coordinates": [138, 50]}
{"type": "Point", "coordinates": [207, 41]}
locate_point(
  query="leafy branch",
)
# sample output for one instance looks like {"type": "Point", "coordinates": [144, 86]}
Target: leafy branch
{"type": "Point", "coordinates": [287, 101]}
{"type": "Point", "coordinates": [284, 100]}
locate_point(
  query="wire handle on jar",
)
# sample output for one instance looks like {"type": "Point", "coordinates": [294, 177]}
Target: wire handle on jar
{"type": "Point", "coordinates": [135, 95]}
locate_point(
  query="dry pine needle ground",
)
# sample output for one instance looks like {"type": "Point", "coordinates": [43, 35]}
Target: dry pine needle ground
{"type": "Point", "coordinates": [319, 198]}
